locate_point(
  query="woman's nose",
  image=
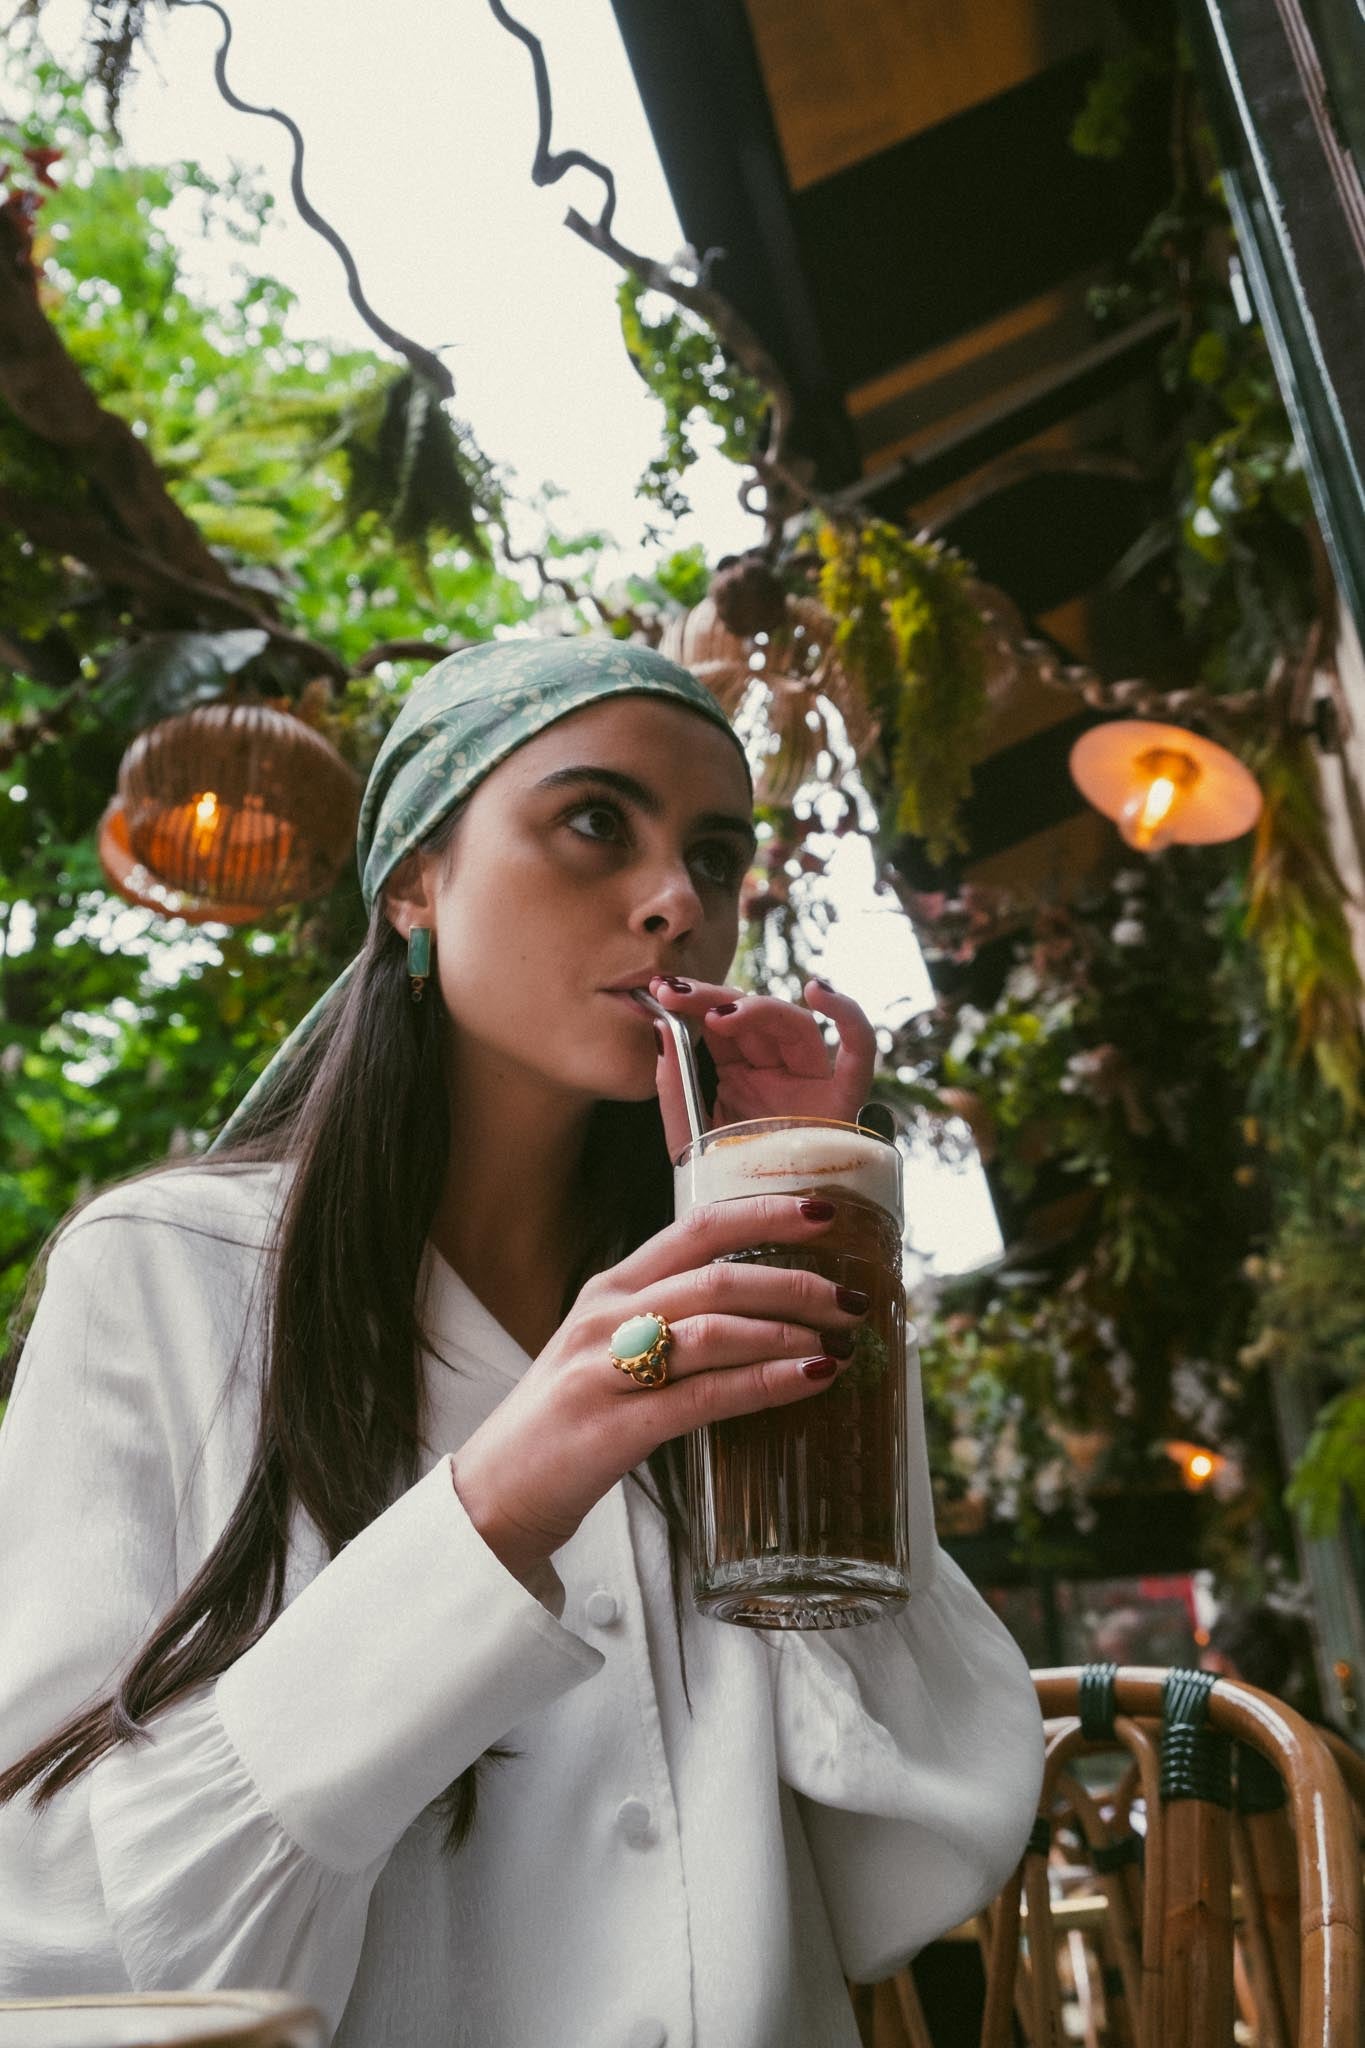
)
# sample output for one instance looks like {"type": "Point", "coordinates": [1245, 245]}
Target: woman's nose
{"type": "Point", "coordinates": [672, 908]}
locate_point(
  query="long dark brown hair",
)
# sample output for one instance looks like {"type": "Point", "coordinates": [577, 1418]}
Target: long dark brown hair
{"type": "Point", "coordinates": [363, 1117]}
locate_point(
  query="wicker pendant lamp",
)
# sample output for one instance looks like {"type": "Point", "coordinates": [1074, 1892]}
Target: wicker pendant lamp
{"type": "Point", "coordinates": [138, 885]}
{"type": "Point", "coordinates": [790, 668]}
{"type": "Point", "coordinates": [235, 807]}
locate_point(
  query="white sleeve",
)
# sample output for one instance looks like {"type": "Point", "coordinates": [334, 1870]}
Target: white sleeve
{"type": "Point", "coordinates": [238, 1844]}
{"type": "Point", "coordinates": [916, 1746]}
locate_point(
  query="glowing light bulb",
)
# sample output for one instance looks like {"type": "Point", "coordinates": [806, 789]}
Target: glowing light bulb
{"type": "Point", "coordinates": [1150, 817]}
{"type": "Point", "coordinates": [205, 821]}
{"type": "Point", "coordinates": [1198, 1464]}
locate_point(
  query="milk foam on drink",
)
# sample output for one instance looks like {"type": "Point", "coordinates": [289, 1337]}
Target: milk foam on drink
{"type": "Point", "coordinates": [782, 1159]}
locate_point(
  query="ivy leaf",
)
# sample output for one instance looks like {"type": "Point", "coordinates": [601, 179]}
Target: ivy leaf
{"type": "Point", "coordinates": [169, 672]}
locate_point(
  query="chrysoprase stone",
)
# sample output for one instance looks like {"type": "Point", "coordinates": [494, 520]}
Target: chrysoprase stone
{"type": "Point", "coordinates": [636, 1336]}
{"type": "Point", "coordinates": [419, 950]}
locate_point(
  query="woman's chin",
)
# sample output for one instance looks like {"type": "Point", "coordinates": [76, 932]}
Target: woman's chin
{"type": "Point", "coordinates": [623, 1088]}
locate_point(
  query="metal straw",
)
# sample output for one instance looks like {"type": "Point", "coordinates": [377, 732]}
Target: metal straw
{"type": "Point", "coordinates": [687, 1064]}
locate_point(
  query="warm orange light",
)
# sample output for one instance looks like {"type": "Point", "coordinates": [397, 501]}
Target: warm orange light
{"type": "Point", "coordinates": [1160, 783]}
{"type": "Point", "coordinates": [205, 821]}
{"type": "Point", "coordinates": [1198, 1465]}
{"type": "Point", "coordinates": [1149, 818]}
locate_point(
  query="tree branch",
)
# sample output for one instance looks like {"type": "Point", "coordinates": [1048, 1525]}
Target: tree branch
{"type": "Point", "coordinates": [85, 537]}
{"type": "Point", "coordinates": [406, 650]}
{"type": "Point", "coordinates": [45, 390]}
{"type": "Point", "coordinates": [550, 165]}
{"type": "Point", "coordinates": [420, 360]}
{"type": "Point", "coordinates": [643, 628]}
{"type": "Point", "coordinates": [786, 476]}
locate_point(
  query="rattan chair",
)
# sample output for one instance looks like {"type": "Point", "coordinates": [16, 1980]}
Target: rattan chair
{"type": "Point", "coordinates": [1196, 1861]}
{"type": "Point", "coordinates": [180, 2019]}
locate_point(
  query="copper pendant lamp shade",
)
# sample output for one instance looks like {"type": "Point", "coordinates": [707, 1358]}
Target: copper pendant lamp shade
{"type": "Point", "coordinates": [138, 885]}
{"type": "Point", "coordinates": [238, 806]}
{"type": "Point", "coordinates": [1163, 784]}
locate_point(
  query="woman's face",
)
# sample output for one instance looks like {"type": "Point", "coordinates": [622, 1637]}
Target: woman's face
{"type": "Point", "coordinates": [608, 849]}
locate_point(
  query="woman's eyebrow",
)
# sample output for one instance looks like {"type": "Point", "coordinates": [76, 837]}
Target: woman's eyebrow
{"type": "Point", "coordinates": [646, 799]}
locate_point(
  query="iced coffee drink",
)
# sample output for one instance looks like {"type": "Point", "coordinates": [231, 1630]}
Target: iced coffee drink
{"type": "Point", "coordinates": [799, 1515]}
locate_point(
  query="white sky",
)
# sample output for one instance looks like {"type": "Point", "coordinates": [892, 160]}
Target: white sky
{"type": "Point", "coordinates": [420, 123]}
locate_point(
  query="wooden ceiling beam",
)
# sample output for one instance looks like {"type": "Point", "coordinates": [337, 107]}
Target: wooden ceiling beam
{"type": "Point", "coordinates": [703, 92]}
{"type": "Point", "coordinates": [1032, 406]}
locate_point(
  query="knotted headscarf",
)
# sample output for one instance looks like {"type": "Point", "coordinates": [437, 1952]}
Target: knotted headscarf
{"type": "Point", "coordinates": [456, 724]}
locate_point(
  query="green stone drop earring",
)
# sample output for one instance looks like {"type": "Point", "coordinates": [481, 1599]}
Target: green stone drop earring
{"type": "Point", "coordinates": [419, 959]}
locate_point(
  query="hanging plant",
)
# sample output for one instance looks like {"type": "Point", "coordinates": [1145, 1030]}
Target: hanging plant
{"type": "Point", "coordinates": [410, 463]}
{"type": "Point", "coordinates": [694, 377]}
{"type": "Point", "coordinates": [771, 661]}
{"type": "Point", "coordinates": [1310, 1322]}
{"type": "Point", "coordinates": [1296, 916]}
{"type": "Point", "coordinates": [908, 626]}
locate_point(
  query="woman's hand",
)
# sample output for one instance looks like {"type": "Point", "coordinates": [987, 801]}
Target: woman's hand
{"type": "Point", "coordinates": [746, 1337]}
{"type": "Point", "coordinates": [771, 1057]}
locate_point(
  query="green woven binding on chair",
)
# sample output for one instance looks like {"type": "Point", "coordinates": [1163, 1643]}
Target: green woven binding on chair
{"type": "Point", "coordinates": [1040, 1837]}
{"type": "Point", "coordinates": [1095, 1701]}
{"type": "Point", "coordinates": [1259, 1786]}
{"type": "Point", "coordinates": [1196, 1762]}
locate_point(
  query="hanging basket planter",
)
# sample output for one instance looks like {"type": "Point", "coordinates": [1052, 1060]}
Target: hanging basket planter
{"type": "Point", "coordinates": [779, 687]}
{"type": "Point", "coordinates": [236, 805]}
{"type": "Point", "coordinates": [136, 884]}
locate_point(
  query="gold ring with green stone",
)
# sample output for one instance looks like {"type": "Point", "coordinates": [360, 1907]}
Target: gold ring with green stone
{"type": "Point", "coordinates": [640, 1348]}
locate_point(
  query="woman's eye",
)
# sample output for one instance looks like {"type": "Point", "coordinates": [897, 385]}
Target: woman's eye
{"type": "Point", "coordinates": [720, 864]}
{"type": "Point", "coordinates": [596, 821]}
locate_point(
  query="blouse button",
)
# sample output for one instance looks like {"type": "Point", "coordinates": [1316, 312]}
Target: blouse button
{"type": "Point", "coordinates": [647, 2034]}
{"type": "Point", "coordinates": [601, 1608]}
{"type": "Point", "coordinates": [635, 1822]}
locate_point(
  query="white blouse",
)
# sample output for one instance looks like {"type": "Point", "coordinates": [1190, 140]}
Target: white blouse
{"type": "Point", "coordinates": [639, 1875]}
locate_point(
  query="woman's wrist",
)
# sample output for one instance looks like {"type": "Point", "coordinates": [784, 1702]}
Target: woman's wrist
{"type": "Point", "coordinates": [518, 1550]}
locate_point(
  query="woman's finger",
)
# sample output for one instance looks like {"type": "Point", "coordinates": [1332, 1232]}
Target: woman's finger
{"type": "Point", "coordinates": [704, 1397]}
{"type": "Point", "coordinates": [772, 1293]}
{"type": "Point", "coordinates": [719, 1343]}
{"type": "Point", "coordinates": [765, 1032]}
{"type": "Point", "coordinates": [855, 1059]}
{"type": "Point", "coordinates": [691, 998]}
{"type": "Point", "coordinates": [712, 1231]}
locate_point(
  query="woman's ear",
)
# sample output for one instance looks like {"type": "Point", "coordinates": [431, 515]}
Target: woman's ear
{"type": "Point", "coordinates": [407, 895]}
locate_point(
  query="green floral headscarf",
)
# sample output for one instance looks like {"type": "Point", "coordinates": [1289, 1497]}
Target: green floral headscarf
{"type": "Point", "coordinates": [465, 716]}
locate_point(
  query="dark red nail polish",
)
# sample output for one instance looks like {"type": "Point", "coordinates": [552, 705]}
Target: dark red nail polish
{"type": "Point", "coordinates": [818, 1212]}
{"type": "Point", "coordinates": [659, 1039]}
{"type": "Point", "coordinates": [724, 1009]}
{"type": "Point", "coordinates": [839, 1343]}
{"type": "Point", "coordinates": [820, 982]}
{"type": "Point", "coordinates": [852, 1300]}
{"type": "Point", "coordinates": [821, 1368]}
{"type": "Point", "coordinates": [682, 988]}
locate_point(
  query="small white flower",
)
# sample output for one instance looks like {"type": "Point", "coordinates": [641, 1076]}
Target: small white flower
{"type": "Point", "coordinates": [1129, 931]}
{"type": "Point", "coordinates": [1022, 982]}
{"type": "Point", "coordinates": [1225, 493]}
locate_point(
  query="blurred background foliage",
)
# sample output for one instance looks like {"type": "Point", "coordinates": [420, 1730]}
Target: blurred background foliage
{"type": "Point", "coordinates": [124, 1036]}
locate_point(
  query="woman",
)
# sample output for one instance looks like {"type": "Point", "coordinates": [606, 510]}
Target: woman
{"type": "Point", "coordinates": [323, 1507]}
